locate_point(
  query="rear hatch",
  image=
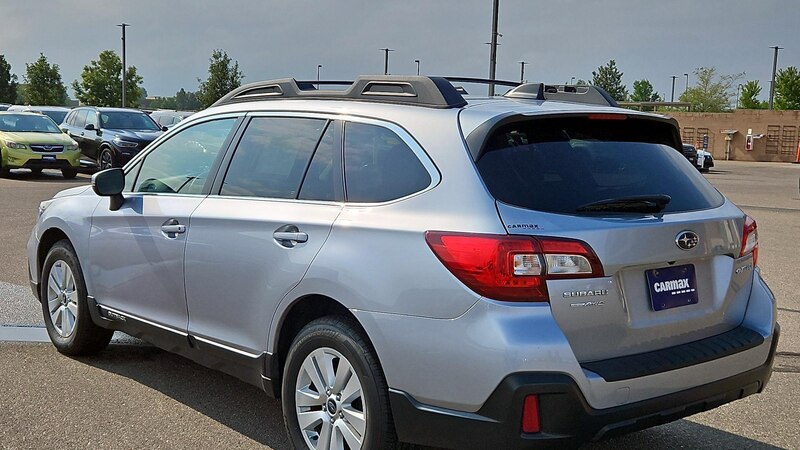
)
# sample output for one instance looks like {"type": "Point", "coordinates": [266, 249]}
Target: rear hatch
{"type": "Point", "coordinates": [669, 243]}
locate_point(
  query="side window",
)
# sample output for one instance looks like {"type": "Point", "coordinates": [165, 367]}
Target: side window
{"type": "Point", "coordinates": [379, 166]}
{"type": "Point", "coordinates": [272, 157]}
{"type": "Point", "coordinates": [130, 177]}
{"type": "Point", "coordinates": [180, 165]}
{"type": "Point", "coordinates": [323, 179]}
{"type": "Point", "coordinates": [68, 120]}
{"type": "Point", "coordinates": [91, 118]}
{"type": "Point", "coordinates": [80, 118]}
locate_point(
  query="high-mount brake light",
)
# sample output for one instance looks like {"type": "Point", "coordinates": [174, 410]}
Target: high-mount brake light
{"type": "Point", "coordinates": [512, 268]}
{"type": "Point", "coordinates": [607, 117]}
{"type": "Point", "coordinates": [750, 239]}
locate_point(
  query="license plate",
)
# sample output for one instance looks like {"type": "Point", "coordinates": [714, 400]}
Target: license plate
{"type": "Point", "coordinates": [671, 287]}
{"type": "Point", "coordinates": [48, 158]}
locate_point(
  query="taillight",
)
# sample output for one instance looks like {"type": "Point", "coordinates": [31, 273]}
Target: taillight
{"type": "Point", "coordinates": [530, 414]}
{"type": "Point", "coordinates": [750, 239]}
{"type": "Point", "coordinates": [512, 268]}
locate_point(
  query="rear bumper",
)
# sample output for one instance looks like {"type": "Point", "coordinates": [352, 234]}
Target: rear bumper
{"type": "Point", "coordinates": [566, 417]}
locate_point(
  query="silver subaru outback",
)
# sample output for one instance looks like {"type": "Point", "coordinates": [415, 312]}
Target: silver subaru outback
{"type": "Point", "coordinates": [399, 262]}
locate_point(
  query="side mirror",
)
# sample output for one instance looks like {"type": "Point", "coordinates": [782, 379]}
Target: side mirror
{"type": "Point", "coordinates": [89, 127]}
{"type": "Point", "coordinates": [164, 128]}
{"type": "Point", "coordinates": [110, 183]}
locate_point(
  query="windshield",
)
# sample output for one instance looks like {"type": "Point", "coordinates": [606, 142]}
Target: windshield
{"type": "Point", "coordinates": [127, 120]}
{"type": "Point", "coordinates": [22, 123]}
{"type": "Point", "coordinates": [561, 165]}
{"type": "Point", "coordinates": [57, 116]}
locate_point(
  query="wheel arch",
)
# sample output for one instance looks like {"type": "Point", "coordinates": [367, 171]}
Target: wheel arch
{"type": "Point", "coordinates": [46, 242]}
{"type": "Point", "coordinates": [300, 313]}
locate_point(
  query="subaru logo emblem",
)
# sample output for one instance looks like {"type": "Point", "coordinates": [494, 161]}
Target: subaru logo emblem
{"type": "Point", "coordinates": [48, 147]}
{"type": "Point", "coordinates": [687, 240]}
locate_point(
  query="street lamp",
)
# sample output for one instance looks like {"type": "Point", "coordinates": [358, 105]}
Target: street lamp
{"type": "Point", "coordinates": [319, 66]}
{"type": "Point", "coordinates": [386, 60]}
{"type": "Point", "coordinates": [417, 61]}
{"type": "Point", "coordinates": [522, 71]}
{"type": "Point", "coordinates": [772, 83]}
{"type": "Point", "coordinates": [687, 82]}
{"type": "Point", "coordinates": [672, 99]}
{"type": "Point", "coordinates": [124, 74]}
{"type": "Point", "coordinates": [493, 52]}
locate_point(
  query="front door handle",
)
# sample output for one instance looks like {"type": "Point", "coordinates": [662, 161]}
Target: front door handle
{"type": "Point", "coordinates": [172, 228]}
{"type": "Point", "coordinates": [297, 236]}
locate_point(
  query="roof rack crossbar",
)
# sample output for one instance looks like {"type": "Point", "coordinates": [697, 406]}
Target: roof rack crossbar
{"type": "Point", "coordinates": [563, 92]}
{"type": "Point", "coordinates": [432, 92]}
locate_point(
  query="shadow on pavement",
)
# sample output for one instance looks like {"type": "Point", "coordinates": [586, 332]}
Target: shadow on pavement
{"type": "Point", "coordinates": [47, 175]}
{"type": "Point", "coordinates": [249, 411]}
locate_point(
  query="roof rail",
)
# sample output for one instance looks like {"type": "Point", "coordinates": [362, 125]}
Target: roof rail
{"type": "Point", "coordinates": [563, 92]}
{"type": "Point", "coordinates": [432, 92]}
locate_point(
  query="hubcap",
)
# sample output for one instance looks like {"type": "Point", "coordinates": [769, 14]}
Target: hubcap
{"type": "Point", "coordinates": [62, 298]}
{"type": "Point", "coordinates": [105, 160]}
{"type": "Point", "coordinates": [329, 402]}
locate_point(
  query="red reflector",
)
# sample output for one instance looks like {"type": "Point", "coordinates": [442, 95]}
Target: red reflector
{"type": "Point", "coordinates": [607, 117]}
{"type": "Point", "coordinates": [530, 415]}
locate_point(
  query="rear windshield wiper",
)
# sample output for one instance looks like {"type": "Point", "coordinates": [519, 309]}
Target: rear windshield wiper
{"type": "Point", "coordinates": [634, 203]}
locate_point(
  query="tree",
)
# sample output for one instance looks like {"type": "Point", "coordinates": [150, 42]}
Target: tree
{"type": "Point", "coordinates": [787, 88]}
{"type": "Point", "coordinates": [8, 82]}
{"type": "Point", "coordinates": [187, 101]}
{"type": "Point", "coordinates": [712, 92]}
{"type": "Point", "coordinates": [748, 98]}
{"type": "Point", "coordinates": [643, 92]}
{"type": "Point", "coordinates": [101, 82]}
{"type": "Point", "coordinates": [44, 85]}
{"type": "Point", "coordinates": [223, 76]}
{"type": "Point", "coordinates": [609, 78]}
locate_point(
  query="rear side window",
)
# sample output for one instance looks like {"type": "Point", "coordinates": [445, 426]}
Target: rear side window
{"type": "Point", "coordinates": [559, 164]}
{"type": "Point", "coordinates": [323, 181]}
{"type": "Point", "coordinates": [80, 118]}
{"type": "Point", "coordinates": [272, 157]}
{"type": "Point", "coordinates": [379, 166]}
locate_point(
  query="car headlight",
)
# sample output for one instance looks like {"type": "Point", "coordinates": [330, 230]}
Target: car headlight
{"type": "Point", "coordinates": [123, 143]}
{"type": "Point", "coordinates": [71, 147]}
{"type": "Point", "coordinates": [43, 206]}
{"type": "Point", "coordinates": [11, 144]}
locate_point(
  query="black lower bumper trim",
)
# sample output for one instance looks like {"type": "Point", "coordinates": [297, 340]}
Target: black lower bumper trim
{"type": "Point", "coordinates": [45, 164]}
{"type": "Point", "coordinates": [567, 420]}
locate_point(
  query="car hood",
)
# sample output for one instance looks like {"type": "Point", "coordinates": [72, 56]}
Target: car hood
{"type": "Point", "coordinates": [137, 135]}
{"type": "Point", "coordinates": [36, 138]}
{"type": "Point", "coordinates": [77, 190]}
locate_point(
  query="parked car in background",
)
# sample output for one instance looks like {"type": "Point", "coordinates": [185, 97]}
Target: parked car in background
{"type": "Point", "coordinates": [110, 137]}
{"type": "Point", "coordinates": [167, 118]}
{"type": "Point", "coordinates": [33, 141]}
{"type": "Point", "coordinates": [57, 113]}
{"type": "Point", "coordinates": [705, 160]}
{"type": "Point", "coordinates": [690, 153]}
{"type": "Point", "coordinates": [4, 106]}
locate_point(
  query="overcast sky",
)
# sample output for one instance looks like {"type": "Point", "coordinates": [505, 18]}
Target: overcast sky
{"type": "Point", "coordinates": [170, 42]}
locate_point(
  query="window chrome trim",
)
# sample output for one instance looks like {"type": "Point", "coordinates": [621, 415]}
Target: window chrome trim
{"type": "Point", "coordinates": [402, 133]}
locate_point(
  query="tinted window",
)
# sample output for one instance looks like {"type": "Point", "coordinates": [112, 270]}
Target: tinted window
{"type": "Point", "coordinates": [272, 157]}
{"type": "Point", "coordinates": [379, 166]}
{"type": "Point", "coordinates": [181, 164]}
{"type": "Point", "coordinates": [80, 118]}
{"type": "Point", "coordinates": [323, 180]}
{"type": "Point", "coordinates": [57, 116]}
{"type": "Point", "coordinates": [91, 118]}
{"type": "Point", "coordinates": [127, 120]}
{"type": "Point", "coordinates": [557, 165]}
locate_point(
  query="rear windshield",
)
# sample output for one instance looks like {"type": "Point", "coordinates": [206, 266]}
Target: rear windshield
{"type": "Point", "coordinates": [559, 164]}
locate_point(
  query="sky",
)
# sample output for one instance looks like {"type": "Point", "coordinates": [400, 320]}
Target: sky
{"type": "Point", "coordinates": [170, 42]}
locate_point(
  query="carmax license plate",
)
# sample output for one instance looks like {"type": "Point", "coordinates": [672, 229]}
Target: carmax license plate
{"type": "Point", "coordinates": [671, 287]}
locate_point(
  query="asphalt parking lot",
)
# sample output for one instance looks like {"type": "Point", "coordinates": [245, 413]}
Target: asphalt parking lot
{"type": "Point", "coordinates": [136, 396]}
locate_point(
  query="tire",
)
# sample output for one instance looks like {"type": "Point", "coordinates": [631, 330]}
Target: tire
{"type": "Point", "coordinates": [62, 290]}
{"type": "Point", "coordinates": [324, 342]}
{"type": "Point", "coordinates": [106, 159]}
{"type": "Point", "coordinates": [69, 173]}
{"type": "Point", "coordinates": [4, 171]}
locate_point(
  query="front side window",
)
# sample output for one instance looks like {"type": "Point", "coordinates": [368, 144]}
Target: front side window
{"type": "Point", "coordinates": [272, 157]}
{"type": "Point", "coordinates": [181, 164]}
{"type": "Point", "coordinates": [80, 118]}
{"type": "Point", "coordinates": [379, 166]}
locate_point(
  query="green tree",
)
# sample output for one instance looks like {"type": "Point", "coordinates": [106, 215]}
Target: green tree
{"type": "Point", "coordinates": [8, 82]}
{"type": "Point", "coordinates": [609, 78]}
{"type": "Point", "coordinates": [748, 99]}
{"type": "Point", "coordinates": [787, 88]}
{"type": "Point", "coordinates": [223, 76]}
{"type": "Point", "coordinates": [712, 92]}
{"type": "Point", "coordinates": [187, 101]}
{"type": "Point", "coordinates": [44, 85]}
{"type": "Point", "coordinates": [101, 82]}
{"type": "Point", "coordinates": [643, 92]}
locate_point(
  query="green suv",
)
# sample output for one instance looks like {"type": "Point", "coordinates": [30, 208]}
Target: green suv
{"type": "Point", "coordinates": [33, 141]}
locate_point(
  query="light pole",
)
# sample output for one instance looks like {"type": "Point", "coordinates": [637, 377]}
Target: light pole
{"type": "Point", "coordinates": [672, 99]}
{"type": "Point", "coordinates": [386, 60]}
{"type": "Point", "coordinates": [124, 67]}
{"type": "Point", "coordinates": [319, 66]}
{"type": "Point", "coordinates": [417, 61]}
{"type": "Point", "coordinates": [774, 69]}
{"type": "Point", "coordinates": [522, 71]}
{"type": "Point", "coordinates": [687, 82]}
{"type": "Point", "coordinates": [493, 52]}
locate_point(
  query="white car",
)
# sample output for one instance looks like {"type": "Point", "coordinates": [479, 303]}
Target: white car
{"type": "Point", "coordinates": [705, 160]}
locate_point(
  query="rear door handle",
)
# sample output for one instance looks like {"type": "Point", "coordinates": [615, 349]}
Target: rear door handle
{"type": "Point", "coordinates": [172, 228]}
{"type": "Point", "coordinates": [296, 236]}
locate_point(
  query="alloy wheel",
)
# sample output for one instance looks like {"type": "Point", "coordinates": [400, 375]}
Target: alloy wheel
{"type": "Point", "coordinates": [329, 402]}
{"type": "Point", "coordinates": [105, 160]}
{"type": "Point", "coordinates": [62, 298]}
